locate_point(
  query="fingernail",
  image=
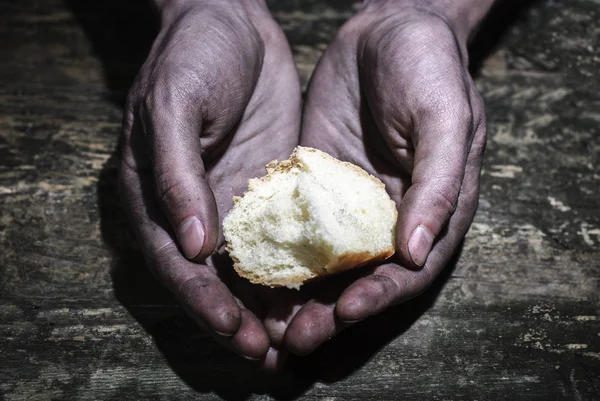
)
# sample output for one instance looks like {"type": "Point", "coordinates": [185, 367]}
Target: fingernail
{"type": "Point", "coordinates": [275, 360]}
{"type": "Point", "coordinates": [350, 322]}
{"type": "Point", "coordinates": [191, 237]}
{"type": "Point", "coordinates": [250, 358]}
{"type": "Point", "coordinates": [419, 245]}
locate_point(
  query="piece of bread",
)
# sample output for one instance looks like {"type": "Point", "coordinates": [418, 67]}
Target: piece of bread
{"type": "Point", "coordinates": [311, 215]}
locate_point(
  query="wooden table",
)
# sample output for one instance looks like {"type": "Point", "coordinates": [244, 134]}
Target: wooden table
{"type": "Point", "coordinates": [516, 317]}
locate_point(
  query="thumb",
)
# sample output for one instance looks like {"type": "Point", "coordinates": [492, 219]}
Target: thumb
{"type": "Point", "coordinates": [442, 138]}
{"type": "Point", "coordinates": [183, 193]}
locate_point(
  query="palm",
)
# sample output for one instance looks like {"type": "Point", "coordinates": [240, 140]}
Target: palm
{"type": "Point", "coordinates": [268, 131]}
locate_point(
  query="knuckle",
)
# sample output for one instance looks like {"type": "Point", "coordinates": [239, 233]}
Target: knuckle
{"type": "Point", "coordinates": [477, 98]}
{"type": "Point", "coordinates": [165, 255]}
{"type": "Point", "coordinates": [148, 103]}
{"type": "Point", "coordinates": [126, 157]}
{"type": "Point", "coordinates": [125, 173]}
{"type": "Point", "coordinates": [445, 196]}
{"type": "Point", "coordinates": [352, 31]}
{"type": "Point", "coordinates": [190, 284]}
{"type": "Point", "coordinates": [161, 262]}
{"type": "Point", "coordinates": [135, 92]}
{"type": "Point", "coordinates": [469, 198]}
{"type": "Point", "coordinates": [424, 279]}
{"type": "Point", "coordinates": [155, 102]}
{"type": "Point", "coordinates": [257, 37]}
{"type": "Point", "coordinates": [478, 106]}
{"type": "Point", "coordinates": [127, 123]}
{"type": "Point", "coordinates": [460, 116]}
{"type": "Point", "coordinates": [387, 287]}
{"type": "Point", "coordinates": [169, 188]}
{"type": "Point", "coordinates": [171, 94]}
{"type": "Point", "coordinates": [479, 144]}
{"type": "Point", "coordinates": [408, 286]}
{"type": "Point", "coordinates": [450, 116]}
{"type": "Point", "coordinates": [164, 264]}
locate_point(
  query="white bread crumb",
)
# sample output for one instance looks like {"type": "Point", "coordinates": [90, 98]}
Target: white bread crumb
{"type": "Point", "coordinates": [310, 216]}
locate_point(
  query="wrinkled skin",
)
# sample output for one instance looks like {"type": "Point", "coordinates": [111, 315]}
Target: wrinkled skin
{"type": "Point", "coordinates": [393, 95]}
{"type": "Point", "coordinates": [218, 98]}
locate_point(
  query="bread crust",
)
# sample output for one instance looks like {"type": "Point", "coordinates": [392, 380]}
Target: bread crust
{"type": "Point", "coordinates": [345, 262]}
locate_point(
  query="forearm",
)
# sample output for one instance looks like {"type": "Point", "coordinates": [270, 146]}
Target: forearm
{"type": "Point", "coordinates": [167, 10]}
{"type": "Point", "coordinates": [464, 15]}
{"type": "Point", "coordinates": [467, 14]}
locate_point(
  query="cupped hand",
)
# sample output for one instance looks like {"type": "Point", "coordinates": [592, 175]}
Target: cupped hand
{"type": "Point", "coordinates": [216, 100]}
{"type": "Point", "coordinates": [393, 94]}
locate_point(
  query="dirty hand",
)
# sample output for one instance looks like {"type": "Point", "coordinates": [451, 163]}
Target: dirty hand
{"type": "Point", "coordinates": [216, 100]}
{"type": "Point", "coordinates": [393, 94]}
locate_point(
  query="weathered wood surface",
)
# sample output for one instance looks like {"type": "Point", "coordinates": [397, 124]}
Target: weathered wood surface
{"type": "Point", "coordinates": [517, 317]}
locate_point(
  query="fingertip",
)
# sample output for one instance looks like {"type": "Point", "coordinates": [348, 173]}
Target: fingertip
{"type": "Point", "coordinates": [227, 321]}
{"type": "Point", "coordinates": [251, 340]}
{"type": "Point", "coordinates": [298, 349]}
{"type": "Point", "coordinates": [278, 319]}
{"type": "Point", "coordinates": [299, 338]}
{"type": "Point", "coordinates": [366, 297]}
{"type": "Point", "coordinates": [275, 360]}
{"type": "Point", "coordinates": [351, 308]}
{"type": "Point", "coordinates": [356, 303]}
{"type": "Point", "coordinates": [276, 329]}
{"type": "Point", "coordinates": [314, 324]}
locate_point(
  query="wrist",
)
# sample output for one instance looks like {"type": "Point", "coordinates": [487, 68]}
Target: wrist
{"type": "Point", "coordinates": [170, 10]}
{"type": "Point", "coordinates": [464, 16]}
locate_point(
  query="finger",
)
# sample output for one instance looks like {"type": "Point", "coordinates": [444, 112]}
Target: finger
{"type": "Point", "coordinates": [389, 284]}
{"type": "Point", "coordinates": [182, 191]}
{"type": "Point", "coordinates": [392, 284]}
{"type": "Point", "coordinates": [312, 325]}
{"type": "Point", "coordinates": [197, 287]}
{"type": "Point", "coordinates": [281, 305]}
{"type": "Point", "coordinates": [251, 340]}
{"type": "Point", "coordinates": [202, 294]}
{"type": "Point", "coordinates": [275, 359]}
{"type": "Point", "coordinates": [315, 322]}
{"type": "Point", "coordinates": [443, 134]}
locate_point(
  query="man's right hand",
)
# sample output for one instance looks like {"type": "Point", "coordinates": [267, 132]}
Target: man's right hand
{"type": "Point", "coordinates": [216, 100]}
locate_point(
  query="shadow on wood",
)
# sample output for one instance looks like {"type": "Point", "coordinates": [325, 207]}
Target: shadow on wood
{"type": "Point", "coordinates": [503, 15]}
{"type": "Point", "coordinates": [354, 347]}
{"type": "Point", "coordinates": [121, 34]}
